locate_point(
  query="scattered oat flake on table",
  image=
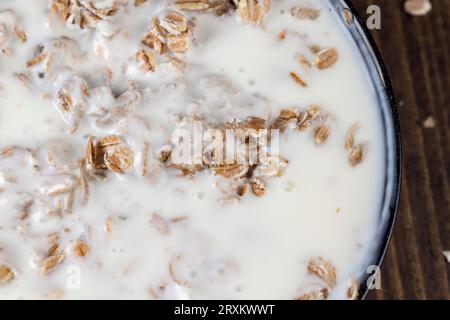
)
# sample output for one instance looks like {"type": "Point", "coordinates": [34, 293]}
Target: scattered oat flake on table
{"type": "Point", "coordinates": [429, 123]}
{"type": "Point", "coordinates": [418, 7]}
{"type": "Point", "coordinates": [447, 255]}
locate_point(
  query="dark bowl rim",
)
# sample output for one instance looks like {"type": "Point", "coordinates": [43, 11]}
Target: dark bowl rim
{"type": "Point", "coordinates": [396, 180]}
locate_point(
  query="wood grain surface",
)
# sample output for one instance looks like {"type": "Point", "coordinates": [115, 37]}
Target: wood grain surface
{"type": "Point", "coordinates": [416, 51]}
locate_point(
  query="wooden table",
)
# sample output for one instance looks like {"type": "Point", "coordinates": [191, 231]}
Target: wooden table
{"type": "Point", "coordinates": [416, 51]}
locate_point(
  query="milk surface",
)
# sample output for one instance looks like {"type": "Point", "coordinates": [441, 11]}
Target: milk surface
{"type": "Point", "coordinates": [151, 233]}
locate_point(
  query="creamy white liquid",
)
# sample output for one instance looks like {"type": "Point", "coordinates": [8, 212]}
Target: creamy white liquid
{"type": "Point", "coordinates": [258, 248]}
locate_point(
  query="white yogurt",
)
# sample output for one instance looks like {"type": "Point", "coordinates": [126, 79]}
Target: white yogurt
{"type": "Point", "coordinates": [256, 248]}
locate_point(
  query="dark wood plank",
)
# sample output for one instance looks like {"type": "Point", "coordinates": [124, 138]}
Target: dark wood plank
{"type": "Point", "coordinates": [416, 51]}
